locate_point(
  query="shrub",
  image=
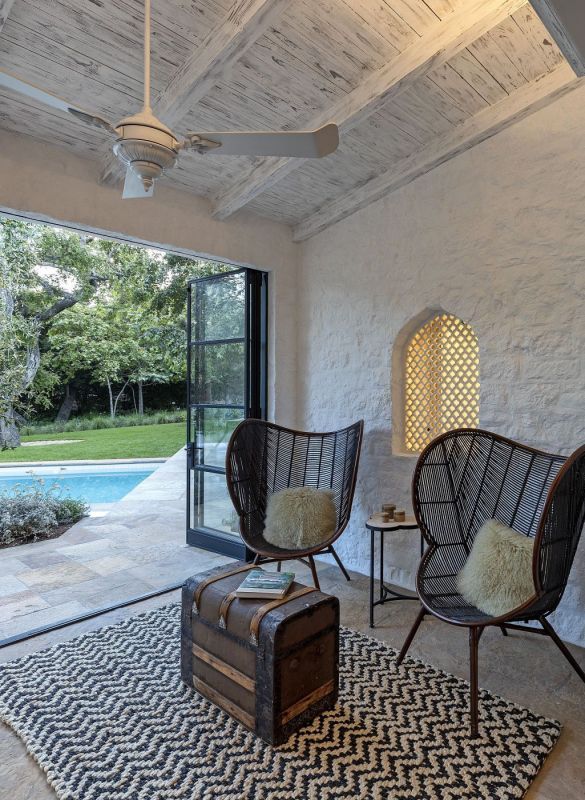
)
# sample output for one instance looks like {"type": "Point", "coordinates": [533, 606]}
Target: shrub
{"type": "Point", "coordinates": [93, 422]}
{"type": "Point", "coordinates": [30, 513]}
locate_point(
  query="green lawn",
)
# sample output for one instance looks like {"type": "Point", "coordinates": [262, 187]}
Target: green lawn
{"type": "Point", "coordinates": [144, 441]}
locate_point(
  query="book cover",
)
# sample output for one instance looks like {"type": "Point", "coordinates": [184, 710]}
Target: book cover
{"type": "Point", "coordinates": [259, 583]}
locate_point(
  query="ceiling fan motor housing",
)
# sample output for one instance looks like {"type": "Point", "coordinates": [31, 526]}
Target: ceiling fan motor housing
{"type": "Point", "coordinates": [146, 145]}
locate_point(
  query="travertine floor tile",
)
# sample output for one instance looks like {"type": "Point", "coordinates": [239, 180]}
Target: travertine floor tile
{"type": "Point", "coordinates": [56, 575]}
{"type": "Point", "coordinates": [10, 585]}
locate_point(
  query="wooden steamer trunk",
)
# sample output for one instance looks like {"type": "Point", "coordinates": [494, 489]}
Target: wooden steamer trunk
{"type": "Point", "coordinates": [272, 665]}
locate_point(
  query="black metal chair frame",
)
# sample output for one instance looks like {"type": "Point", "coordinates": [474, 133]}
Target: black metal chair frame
{"type": "Point", "coordinates": [263, 458]}
{"type": "Point", "coordinates": [467, 476]}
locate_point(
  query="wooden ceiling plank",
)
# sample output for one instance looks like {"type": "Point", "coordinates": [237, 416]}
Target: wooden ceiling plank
{"type": "Point", "coordinates": [565, 21]}
{"type": "Point", "coordinates": [497, 62]}
{"type": "Point", "coordinates": [512, 41]}
{"type": "Point", "coordinates": [478, 77]}
{"type": "Point", "coordinates": [64, 74]}
{"type": "Point", "coordinates": [245, 22]}
{"type": "Point", "coordinates": [415, 13]}
{"type": "Point", "coordinates": [423, 122]}
{"type": "Point", "coordinates": [383, 19]}
{"type": "Point", "coordinates": [487, 123]}
{"type": "Point", "coordinates": [5, 9]}
{"type": "Point", "coordinates": [443, 41]}
{"type": "Point", "coordinates": [114, 42]}
{"type": "Point", "coordinates": [442, 8]}
{"type": "Point", "coordinates": [531, 26]}
{"type": "Point", "coordinates": [432, 94]}
{"type": "Point", "coordinates": [463, 94]}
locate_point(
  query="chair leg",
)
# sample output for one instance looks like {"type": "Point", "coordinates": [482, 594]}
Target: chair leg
{"type": "Point", "coordinates": [339, 563]}
{"type": "Point", "coordinates": [503, 629]}
{"type": "Point", "coordinates": [279, 566]}
{"type": "Point", "coordinates": [314, 573]}
{"type": "Point", "coordinates": [411, 635]}
{"type": "Point", "coordinates": [474, 636]}
{"type": "Point", "coordinates": [562, 647]}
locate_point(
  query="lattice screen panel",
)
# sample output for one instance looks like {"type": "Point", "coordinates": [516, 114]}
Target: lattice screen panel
{"type": "Point", "coordinates": [442, 380]}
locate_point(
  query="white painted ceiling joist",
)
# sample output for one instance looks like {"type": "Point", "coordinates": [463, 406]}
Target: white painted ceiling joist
{"type": "Point", "coordinates": [485, 124]}
{"type": "Point", "coordinates": [440, 44]}
{"type": "Point", "coordinates": [565, 21]}
{"type": "Point", "coordinates": [243, 25]}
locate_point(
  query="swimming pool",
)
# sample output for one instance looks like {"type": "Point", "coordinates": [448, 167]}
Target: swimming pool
{"type": "Point", "coordinates": [94, 484]}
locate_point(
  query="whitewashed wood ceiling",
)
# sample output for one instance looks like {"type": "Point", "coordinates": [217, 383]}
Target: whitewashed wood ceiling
{"type": "Point", "coordinates": [410, 82]}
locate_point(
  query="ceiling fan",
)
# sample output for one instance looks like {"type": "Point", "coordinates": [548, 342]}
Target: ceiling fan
{"type": "Point", "coordinates": [147, 148]}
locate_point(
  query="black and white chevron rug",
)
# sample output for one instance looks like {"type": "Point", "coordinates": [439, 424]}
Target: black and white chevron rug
{"type": "Point", "coordinates": [107, 718]}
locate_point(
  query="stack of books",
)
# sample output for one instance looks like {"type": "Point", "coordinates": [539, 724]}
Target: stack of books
{"type": "Point", "coordinates": [265, 585]}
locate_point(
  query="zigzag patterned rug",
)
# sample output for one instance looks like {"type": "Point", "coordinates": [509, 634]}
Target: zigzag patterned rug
{"type": "Point", "coordinates": [107, 718]}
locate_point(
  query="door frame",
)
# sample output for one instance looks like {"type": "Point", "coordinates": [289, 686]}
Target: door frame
{"type": "Point", "coordinates": [255, 400]}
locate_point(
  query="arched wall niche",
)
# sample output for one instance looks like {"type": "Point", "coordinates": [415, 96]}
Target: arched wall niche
{"type": "Point", "coordinates": [435, 379]}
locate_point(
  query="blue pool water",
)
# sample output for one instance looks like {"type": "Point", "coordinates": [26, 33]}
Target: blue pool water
{"type": "Point", "coordinates": [98, 486]}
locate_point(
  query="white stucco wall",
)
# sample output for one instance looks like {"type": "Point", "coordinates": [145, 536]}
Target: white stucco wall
{"type": "Point", "coordinates": [497, 237]}
{"type": "Point", "coordinates": [48, 183]}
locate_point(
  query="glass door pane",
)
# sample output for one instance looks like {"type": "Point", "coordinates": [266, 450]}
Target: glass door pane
{"type": "Point", "coordinates": [219, 373]}
{"type": "Point", "coordinates": [219, 307]}
{"type": "Point", "coordinates": [226, 383]}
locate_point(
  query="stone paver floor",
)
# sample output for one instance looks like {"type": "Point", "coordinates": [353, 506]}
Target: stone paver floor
{"type": "Point", "coordinates": [137, 547]}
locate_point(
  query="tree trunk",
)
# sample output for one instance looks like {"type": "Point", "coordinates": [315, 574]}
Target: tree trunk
{"type": "Point", "coordinates": [134, 399]}
{"type": "Point", "coordinates": [67, 405]}
{"type": "Point", "coordinates": [111, 396]}
{"type": "Point", "coordinates": [118, 396]}
{"type": "Point", "coordinates": [140, 399]}
{"type": "Point", "coordinates": [9, 433]}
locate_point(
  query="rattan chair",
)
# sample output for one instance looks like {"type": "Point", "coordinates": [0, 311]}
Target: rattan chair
{"type": "Point", "coordinates": [465, 477]}
{"type": "Point", "coordinates": [263, 458]}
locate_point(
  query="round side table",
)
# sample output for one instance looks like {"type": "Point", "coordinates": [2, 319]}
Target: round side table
{"type": "Point", "coordinates": [386, 594]}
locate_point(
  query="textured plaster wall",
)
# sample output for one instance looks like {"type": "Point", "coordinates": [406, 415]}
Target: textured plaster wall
{"type": "Point", "coordinates": [497, 237]}
{"type": "Point", "coordinates": [50, 184]}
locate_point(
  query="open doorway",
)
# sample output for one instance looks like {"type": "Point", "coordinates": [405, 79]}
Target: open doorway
{"type": "Point", "coordinates": [92, 423]}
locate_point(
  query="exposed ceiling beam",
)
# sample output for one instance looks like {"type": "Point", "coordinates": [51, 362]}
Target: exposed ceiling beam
{"type": "Point", "coordinates": [487, 123]}
{"type": "Point", "coordinates": [437, 46]}
{"type": "Point", "coordinates": [244, 24]}
{"type": "Point", "coordinates": [5, 9]}
{"type": "Point", "coordinates": [565, 21]}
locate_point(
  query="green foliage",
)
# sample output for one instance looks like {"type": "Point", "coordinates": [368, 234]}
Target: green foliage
{"type": "Point", "coordinates": [18, 332]}
{"type": "Point", "coordinates": [77, 309]}
{"type": "Point", "coordinates": [94, 422]}
{"type": "Point", "coordinates": [32, 512]}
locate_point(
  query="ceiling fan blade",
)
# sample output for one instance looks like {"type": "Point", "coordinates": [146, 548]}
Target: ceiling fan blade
{"type": "Point", "coordinates": [22, 87]}
{"type": "Point", "coordinates": [134, 188]}
{"type": "Point", "coordinates": [286, 144]}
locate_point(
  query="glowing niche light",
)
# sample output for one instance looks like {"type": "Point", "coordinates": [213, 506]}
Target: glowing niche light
{"type": "Point", "coordinates": [441, 381]}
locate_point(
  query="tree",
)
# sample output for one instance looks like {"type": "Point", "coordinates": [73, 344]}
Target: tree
{"type": "Point", "coordinates": [54, 286]}
{"type": "Point", "coordinates": [29, 301]}
{"type": "Point", "coordinates": [97, 340]}
{"type": "Point", "coordinates": [19, 350]}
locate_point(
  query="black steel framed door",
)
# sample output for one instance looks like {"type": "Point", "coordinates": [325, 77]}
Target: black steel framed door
{"type": "Point", "coordinates": [226, 382]}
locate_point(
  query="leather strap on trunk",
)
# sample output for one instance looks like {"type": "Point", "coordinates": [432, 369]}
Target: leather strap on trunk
{"type": "Point", "coordinates": [225, 607]}
{"type": "Point", "coordinates": [263, 610]}
{"type": "Point", "coordinates": [213, 579]}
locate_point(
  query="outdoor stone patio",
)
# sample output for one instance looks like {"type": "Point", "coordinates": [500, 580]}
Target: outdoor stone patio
{"type": "Point", "coordinates": [137, 547]}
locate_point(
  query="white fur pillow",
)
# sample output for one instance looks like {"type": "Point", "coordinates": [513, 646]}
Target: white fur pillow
{"type": "Point", "coordinates": [497, 576]}
{"type": "Point", "coordinates": [300, 517]}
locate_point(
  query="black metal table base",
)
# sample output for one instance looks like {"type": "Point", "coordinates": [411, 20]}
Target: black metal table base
{"type": "Point", "coordinates": [385, 593]}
